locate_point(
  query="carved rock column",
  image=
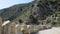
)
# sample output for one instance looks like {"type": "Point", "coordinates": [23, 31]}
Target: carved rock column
{"type": "Point", "coordinates": [5, 27]}
{"type": "Point", "coordinates": [0, 25]}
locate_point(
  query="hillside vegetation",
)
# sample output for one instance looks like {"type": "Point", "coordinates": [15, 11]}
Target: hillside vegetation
{"type": "Point", "coordinates": [40, 9]}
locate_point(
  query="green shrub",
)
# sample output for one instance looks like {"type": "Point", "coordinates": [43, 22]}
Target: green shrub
{"type": "Point", "coordinates": [59, 20]}
{"type": "Point", "coordinates": [53, 23]}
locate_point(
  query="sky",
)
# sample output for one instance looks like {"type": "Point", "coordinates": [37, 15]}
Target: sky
{"type": "Point", "coordinates": [8, 3]}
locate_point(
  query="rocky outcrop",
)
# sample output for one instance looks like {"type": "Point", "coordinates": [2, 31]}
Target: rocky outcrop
{"type": "Point", "coordinates": [42, 8]}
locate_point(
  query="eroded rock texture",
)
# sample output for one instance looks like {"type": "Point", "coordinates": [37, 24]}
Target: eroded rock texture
{"type": "Point", "coordinates": [42, 8]}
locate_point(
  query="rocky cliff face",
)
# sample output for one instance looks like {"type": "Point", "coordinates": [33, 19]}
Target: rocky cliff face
{"type": "Point", "coordinates": [43, 8]}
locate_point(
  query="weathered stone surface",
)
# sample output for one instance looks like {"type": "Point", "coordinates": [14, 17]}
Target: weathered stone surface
{"type": "Point", "coordinates": [12, 28]}
{"type": "Point", "coordinates": [18, 29]}
{"type": "Point", "coordinates": [0, 25]}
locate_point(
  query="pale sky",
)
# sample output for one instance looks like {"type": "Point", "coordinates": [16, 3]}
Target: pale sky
{"type": "Point", "coordinates": [8, 3]}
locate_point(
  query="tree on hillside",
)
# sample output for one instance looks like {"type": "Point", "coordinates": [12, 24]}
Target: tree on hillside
{"type": "Point", "coordinates": [20, 21]}
{"type": "Point", "coordinates": [53, 23]}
